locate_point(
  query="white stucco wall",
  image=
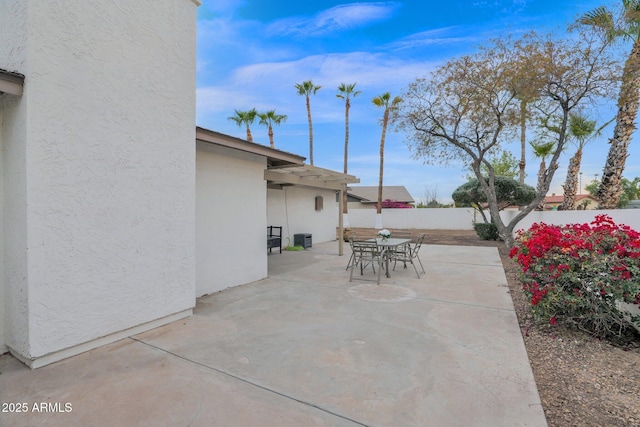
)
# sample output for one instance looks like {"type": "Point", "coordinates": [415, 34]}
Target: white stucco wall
{"type": "Point", "coordinates": [13, 58]}
{"type": "Point", "coordinates": [230, 218]}
{"type": "Point", "coordinates": [100, 170]}
{"type": "Point", "coordinates": [293, 208]}
{"type": "Point", "coordinates": [630, 217]}
{"type": "Point", "coordinates": [3, 346]}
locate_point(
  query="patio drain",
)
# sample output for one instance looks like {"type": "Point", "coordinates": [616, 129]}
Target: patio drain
{"type": "Point", "coordinates": [382, 293]}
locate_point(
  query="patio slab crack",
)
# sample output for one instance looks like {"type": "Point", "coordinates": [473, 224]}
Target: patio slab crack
{"type": "Point", "coordinates": [251, 383]}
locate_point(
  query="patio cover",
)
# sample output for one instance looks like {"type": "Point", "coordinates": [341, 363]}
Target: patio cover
{"type": "Point", "coordinates": [285, 168]}
{"type": "Point", "coordinates": [313, 176]}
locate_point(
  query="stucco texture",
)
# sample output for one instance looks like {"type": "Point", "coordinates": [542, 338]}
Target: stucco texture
{"type": "Point", "coordinates": [108, 169]}
{"type": "Point", "coordinates": [294, 209]}
{"type": "Point", "coordinates": [231, 218]}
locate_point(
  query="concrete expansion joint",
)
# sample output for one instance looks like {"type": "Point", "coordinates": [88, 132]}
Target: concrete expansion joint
{"type": "Point", "coordinates": [251, 383]}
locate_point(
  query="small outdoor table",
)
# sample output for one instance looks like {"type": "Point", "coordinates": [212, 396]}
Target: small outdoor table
{"type": "Point", "coordinates": [386, 245]}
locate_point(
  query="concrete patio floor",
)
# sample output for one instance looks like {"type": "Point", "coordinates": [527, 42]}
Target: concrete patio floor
{"type": "Point", "coordinates": [305, 347]}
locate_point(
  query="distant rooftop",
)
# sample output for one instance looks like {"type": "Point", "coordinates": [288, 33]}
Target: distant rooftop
{"type": "Point", "coordinates": [369, 193]}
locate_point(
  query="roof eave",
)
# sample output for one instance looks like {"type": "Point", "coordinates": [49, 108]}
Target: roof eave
{"type": "Point", "coordinates": [11, 83]}
{"type": "Point", "coordinates": [275, 158]}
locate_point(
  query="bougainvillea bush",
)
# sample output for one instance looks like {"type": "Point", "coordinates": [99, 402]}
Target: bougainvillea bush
{"type": "Point", "coordinates": [388, 203]}
{"type": "Point", "coordinates": [582, 275]}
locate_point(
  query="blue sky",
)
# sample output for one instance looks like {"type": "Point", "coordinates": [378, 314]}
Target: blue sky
{"type": "Point", "coordinates": [251, 53]}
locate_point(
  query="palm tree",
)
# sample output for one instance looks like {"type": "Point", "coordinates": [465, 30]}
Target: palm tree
{"type": "Point", "coordinates": [245, 118]}
{"type": "Point", "coordinates": [542, 150]}
{"type": "Point", "coordinates": [389, 105]}
{"type": "Point", "coordinates": [305, 89]}
{"type": "Point", "coordinates": [581, 129]}
{"type": "Point", "coordinates": [346, 91]}
{"type": "Point", "coordinates": [269, 119]}
{"type": "Point", "coordinates": [626, 27]}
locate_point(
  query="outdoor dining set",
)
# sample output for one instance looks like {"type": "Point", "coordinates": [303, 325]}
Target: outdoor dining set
{"type": "Point", "coordinates": [381, 252]}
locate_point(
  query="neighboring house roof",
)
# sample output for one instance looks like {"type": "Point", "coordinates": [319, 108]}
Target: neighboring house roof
{"type": "Point", "coordinates": [369, 193]}
{"type": "Point", "coordinates": [560, 199]}
{"type": "Point", "coordinates": [11, 82]}
{"type": "Point", "coordinates": [555, 202]}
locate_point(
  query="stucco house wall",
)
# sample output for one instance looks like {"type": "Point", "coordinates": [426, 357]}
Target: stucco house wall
{"type": "Point", "coordinates": [230, 218]}
{"type": "Point", "coordinates": [3, 346]}
{"type": "Point", "coordinates": [99, 167]}
{"type": "Point", "coordinates": [293, 208]}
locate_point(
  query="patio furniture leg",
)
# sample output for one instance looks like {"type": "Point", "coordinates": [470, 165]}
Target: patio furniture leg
{"type": "Point", "coordinates": [418, 258]}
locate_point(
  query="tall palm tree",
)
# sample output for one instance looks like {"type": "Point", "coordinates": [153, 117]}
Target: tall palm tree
{"type": "Point", "coordinates": [625, 26]}
{"type": "Point", "coordinates": [245, 118]}
{"type": "Point", "coordinates": [542, 150]}
{"type": "Point", "coordinates": [383, 101]}
{"type": "Point", "coordinates": [581, 129]}
{"type": "Point", "coordinates": [269, 119]}
{"type": "Point", "coordinates": [305, 89]}
{"type": "Point", "coordinates": [346, 92]}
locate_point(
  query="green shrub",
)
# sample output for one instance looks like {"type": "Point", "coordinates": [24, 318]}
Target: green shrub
{"type": "Point", "coordinates": [294, 248]}
{"type": "Point", "coordinates": [486, 231]}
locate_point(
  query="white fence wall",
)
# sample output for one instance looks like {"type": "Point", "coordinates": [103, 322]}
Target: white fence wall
{"type": "Point", "coordinates": [630, 217]}
{"type": "Point", "coordinates": [462, 218]}
{"type": "Point", "coordinates": [431, 219]}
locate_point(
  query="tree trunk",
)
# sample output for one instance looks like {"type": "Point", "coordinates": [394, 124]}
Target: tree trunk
{"type": "Point", "coordinates": [310, 131]}
{"type": "Point", "coordinates": [571, 184]}
{"type": "Point", "coordinates": [271, 136]}
{"type": "Point", "coordinates": [523, 139]}
{"type": "Point", "coordinates": [345, 209]}
{"type": "Point", "coordinates": [540, 187]}
{"type": "Point", "coordinates": [249, 136]}
{"type": "Point", "coordinates": [385, 120]}
{"type": "Point", "coordinates": [610, 189]}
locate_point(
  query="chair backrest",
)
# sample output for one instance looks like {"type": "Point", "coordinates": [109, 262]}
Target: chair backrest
{"type": "Point", "coordinates": [365, 247]}
{"type": "Point", "coordinates": [419, 240]}
{"type": "Point", "coordinates": [274, 231]}
{"type": "Point", "coordinates": [403, 235]}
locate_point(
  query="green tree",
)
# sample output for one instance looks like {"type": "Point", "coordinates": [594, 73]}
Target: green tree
{"type": "Point", "coordinates": [346, 92]}
{"type": "Point", "coordinates": [245, 118]}
{"type": "Point", "coordinates": [508, 191]}
{"type": "Point", "coordinates": [624, 26]}
{"type": "Point", "coordinates": [504, 165]}
{"type": "Point", "coordinates": [389, 104]}
{"type": "Point", "coordinates": [469, 106]}
{"type": "Point", "coordinates": [582, 130]}
{"type": "Point", "coordinates": [269, 119]}
{"type": "Point", "coordinates": [306, 89]}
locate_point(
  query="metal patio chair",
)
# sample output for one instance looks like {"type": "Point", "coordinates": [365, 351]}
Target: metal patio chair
{"type": "Point", "coordinates": [407, 254]}
{"type": "Point", "coordinates": [351, 236]}
{"type": "Point", "coordinates": [364, 252]}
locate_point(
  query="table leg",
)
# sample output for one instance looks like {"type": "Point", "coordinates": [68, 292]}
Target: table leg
{"type": "Point", "coordinates": [382, 255]}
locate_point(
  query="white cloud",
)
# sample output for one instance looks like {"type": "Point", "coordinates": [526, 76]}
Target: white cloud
{"type": "Point", "coordinates": [441, 36]}
{"type": "Point", "coordinates": [335, 20]}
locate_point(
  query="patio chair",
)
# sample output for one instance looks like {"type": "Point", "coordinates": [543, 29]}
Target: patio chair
{"type": "Point", "coordinates": [364, 252]}
{"type": "Point", "coordinates": [274, 237]}
{"type": "Point", "coordinates": [351, 236]}
{"type": "Point", "coordinates": [407, 254]}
